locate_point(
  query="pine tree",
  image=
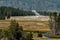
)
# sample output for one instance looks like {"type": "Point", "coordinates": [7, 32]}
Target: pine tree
{"type": "Point", "coordinates": [14, 31]}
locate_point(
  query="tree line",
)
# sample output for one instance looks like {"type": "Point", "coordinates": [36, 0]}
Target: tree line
{"type": "Point", "coordinates": [11, 11]}
{"type": "Point", "coordinates": [55, 23]}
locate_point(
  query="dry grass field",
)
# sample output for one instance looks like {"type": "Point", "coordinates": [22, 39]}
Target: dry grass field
{"type": "Point", "coordinates": [28, 25]}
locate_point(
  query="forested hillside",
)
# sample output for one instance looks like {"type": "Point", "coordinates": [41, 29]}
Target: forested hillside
{"type": "Point", "coordinates": [14, 11]}
{"type": "Point", "coordinates": [45, 5]}
{"type": "Point", "coordinates": [10, 11]}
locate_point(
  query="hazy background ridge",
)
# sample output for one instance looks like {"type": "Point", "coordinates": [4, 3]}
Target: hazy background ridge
{"type": "Point", "coordinates": [33, 4]}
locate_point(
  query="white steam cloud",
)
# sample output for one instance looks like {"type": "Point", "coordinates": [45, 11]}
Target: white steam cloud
{"type": "Point", "coordinates": [36, 13]}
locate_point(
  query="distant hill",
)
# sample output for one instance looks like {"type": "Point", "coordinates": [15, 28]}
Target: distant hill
{"type": "Point", "coordinates": [39, 5]}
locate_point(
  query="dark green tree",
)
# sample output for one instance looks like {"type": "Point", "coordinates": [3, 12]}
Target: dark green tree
{"type": "Point", "coordinates": [55, 23]}
{"type": "Point", "coordinates": [1, 34]}
{"type": "Point", "coordinates": [15, 31]}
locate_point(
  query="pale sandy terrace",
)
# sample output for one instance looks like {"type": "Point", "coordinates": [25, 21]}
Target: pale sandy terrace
{"type": "Point", "coordinates": [38, 18]}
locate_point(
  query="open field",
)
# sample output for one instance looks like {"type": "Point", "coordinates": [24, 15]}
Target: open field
{"type": "Point", "coordinates": [28, 25]}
